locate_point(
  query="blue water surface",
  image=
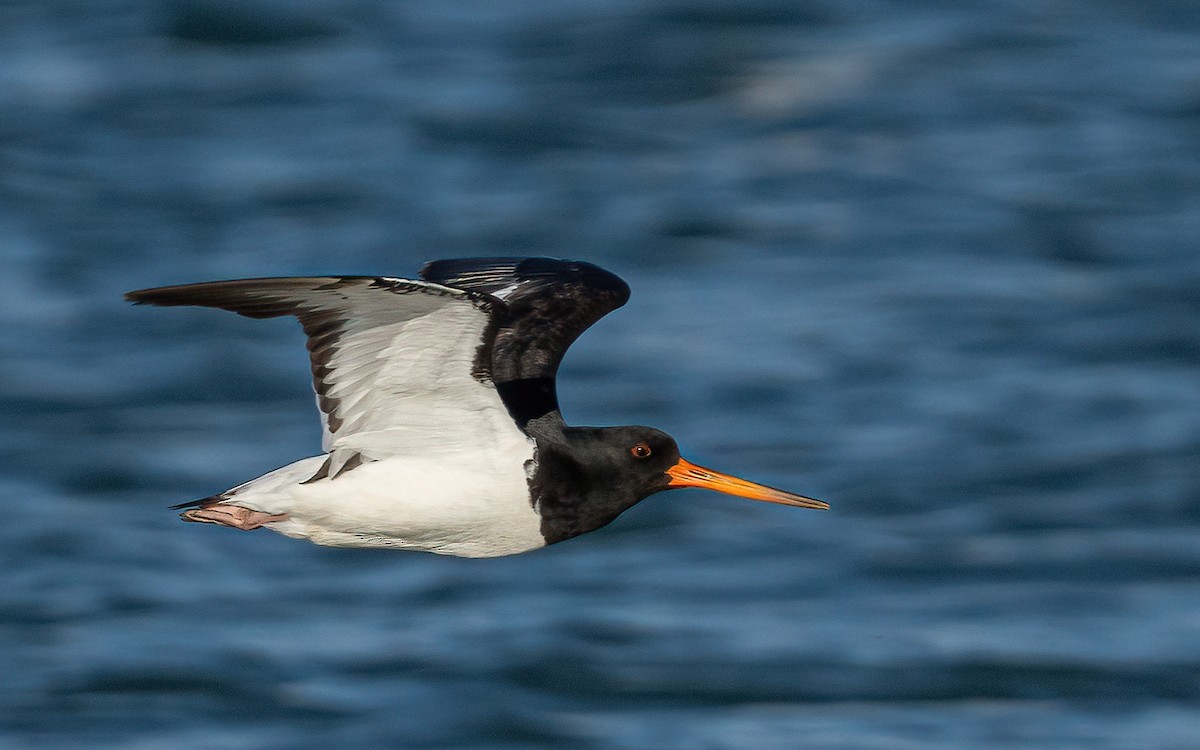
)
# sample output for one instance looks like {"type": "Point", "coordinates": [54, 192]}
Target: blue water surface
{"type": "Point", "coordinates": [936, 263]}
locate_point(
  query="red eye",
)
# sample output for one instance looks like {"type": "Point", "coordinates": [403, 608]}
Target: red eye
{"type": "Point", "coordinates": [641, 450]}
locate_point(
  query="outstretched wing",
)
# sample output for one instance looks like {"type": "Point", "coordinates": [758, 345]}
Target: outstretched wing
{"type": "Point", "coordinates": [394, 362]}
{"type": "Point", "coordinates": [548, 304]}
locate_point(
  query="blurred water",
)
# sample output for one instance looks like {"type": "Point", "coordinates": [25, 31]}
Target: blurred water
{"type": "Point", "coordinates": [935, 263]}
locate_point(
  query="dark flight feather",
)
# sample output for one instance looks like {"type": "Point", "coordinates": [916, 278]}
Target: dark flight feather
{"type": "Point", "coordinates": [548, 304]}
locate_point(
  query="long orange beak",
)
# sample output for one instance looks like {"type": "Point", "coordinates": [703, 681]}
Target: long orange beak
{"type": "Point", "coordinates": [687, 474]}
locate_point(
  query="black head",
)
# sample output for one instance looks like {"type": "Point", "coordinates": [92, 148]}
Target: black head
{"type": "Point", "coordinates": [630, 463]}
{"type": "Point", "coordinates": [587, 476]}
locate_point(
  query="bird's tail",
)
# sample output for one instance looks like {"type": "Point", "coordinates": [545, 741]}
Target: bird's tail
{"type": "Point", "coordinates": [202, 502]}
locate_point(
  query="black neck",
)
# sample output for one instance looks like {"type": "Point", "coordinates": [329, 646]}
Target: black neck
{"type": "Point", "coordinates": [571, 498]}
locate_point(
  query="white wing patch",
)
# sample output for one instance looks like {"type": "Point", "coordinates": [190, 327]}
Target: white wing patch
{"type": "Point", "coordinates": [504, 291]}
{"type": "Point", "coordinates": [397, 373]}
{"type": "Point", "coordinates": [399, 366]}
{"type": "Point", "coordinates": [402, 366]}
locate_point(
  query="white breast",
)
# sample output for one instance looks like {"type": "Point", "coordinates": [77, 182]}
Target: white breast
{"type": "Point", "coordinates": [470, 505]}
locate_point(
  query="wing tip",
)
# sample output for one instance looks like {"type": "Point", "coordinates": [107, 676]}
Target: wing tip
{"type": "Point", "coordinates": [152, 296]}
{"type": "Point", "coordinates": [163, 296]}
{"type": "Point", "coordinates": [493, 274]}
{"type": "Point", "coordinates": [248, 297]}
{"type": "Point", "coordinates": [176, 294]}
{"type": "Point", "coordinates": [139, 297]}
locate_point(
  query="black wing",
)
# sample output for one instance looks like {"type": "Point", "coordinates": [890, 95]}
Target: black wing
{"type": "Point", "coordinates": [549, 304]}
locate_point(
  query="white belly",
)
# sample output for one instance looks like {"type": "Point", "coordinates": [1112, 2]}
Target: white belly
{"type": "Point", "coordinates": [469, 506]}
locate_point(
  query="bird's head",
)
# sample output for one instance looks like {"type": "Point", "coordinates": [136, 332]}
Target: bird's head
{"type": "Point", "coordinates": [640, 461]}
{"type": "Point", "coordinates": [587, 476]}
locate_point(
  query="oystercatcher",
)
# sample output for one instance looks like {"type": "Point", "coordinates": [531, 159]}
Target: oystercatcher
{"type": "Point", "coordinates": [442, 427]}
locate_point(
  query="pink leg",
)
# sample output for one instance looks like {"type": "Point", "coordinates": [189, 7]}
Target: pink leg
{"type": "Point", "coordinates": [231, 515]}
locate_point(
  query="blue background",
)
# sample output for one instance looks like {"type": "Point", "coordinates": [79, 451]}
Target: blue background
{"type": "Point", "coordinates": [933, 262]}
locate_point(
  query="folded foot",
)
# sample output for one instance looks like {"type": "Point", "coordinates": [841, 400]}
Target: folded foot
{"type": "Point", "coordinates": [231, 515]}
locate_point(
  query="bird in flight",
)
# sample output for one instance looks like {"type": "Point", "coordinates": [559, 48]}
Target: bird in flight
{"type": "Point", "coordinates": [442, 431]}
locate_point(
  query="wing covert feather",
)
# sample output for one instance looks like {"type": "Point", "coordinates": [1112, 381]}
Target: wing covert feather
{"type": "Point", "coordinates": [394, 361]}
{"type": "Point", "coordinates": [548, 303]}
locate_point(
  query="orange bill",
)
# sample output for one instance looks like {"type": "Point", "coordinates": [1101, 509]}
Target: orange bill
{"type": "Point", "coordinates": [688, 474]}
